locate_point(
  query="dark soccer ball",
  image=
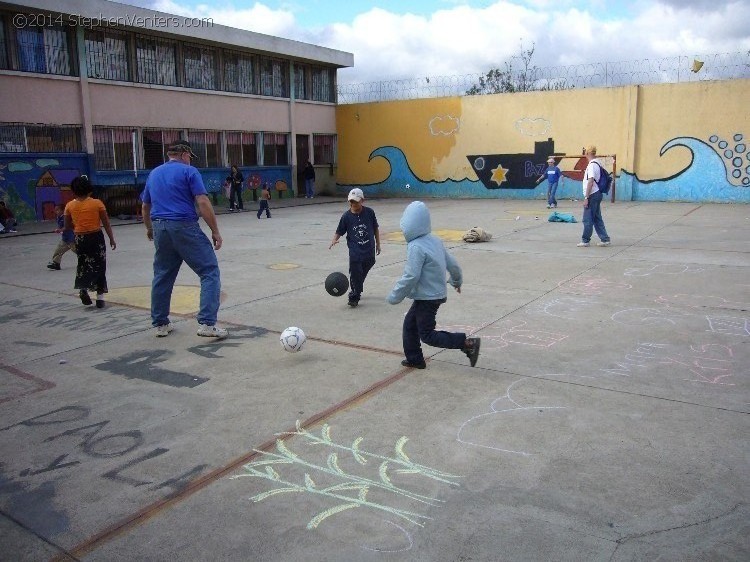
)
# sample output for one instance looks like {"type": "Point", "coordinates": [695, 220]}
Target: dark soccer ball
{"type": "Point", "coordinates": [337, 284]}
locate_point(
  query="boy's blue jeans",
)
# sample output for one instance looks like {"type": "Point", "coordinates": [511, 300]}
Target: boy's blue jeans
{"type": "Point", "coordinates": [358, 271]}
{"type": "Point", "coordinates": [592, 219]}
{"type": "Point", "coordinates": [419, 324]}
{"type": "Point", "coordinates": [175, 242]}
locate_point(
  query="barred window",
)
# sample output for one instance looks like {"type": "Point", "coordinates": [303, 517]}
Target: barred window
{"type": "Point", "coordinates": [300, 92]}
{"type": "Point", "coordinates": [241, 149]}
{"type": "Point", "coordinates": [273, 77]}
{"type": "Point", "coordinates": [113, 148]}
{"type": "Point", "coordinates": [155, 59]}
{"type": "Point", "coordinates": [3, 47]}
{"type": "Point", "coordinates": [206, 147]}
{"type": "Point", "coordinates": [322, 84]}
{"type": "Point", "coordinates": [20, 137]}
{"type": "Point", "coordinates": [324, 149]}
{"type": "Point", "coordinates": [199, 67]}
{"type": "Point", "coordinates": [239, 73]}
{"type": "Point", "coordinates": [106, 54]}
{"type": "Point", "coordinates": [43, 49]}
{"type": "Point", "coordinates": [155, 144]}
{"type": "Point", "coordinates": [275, 149]}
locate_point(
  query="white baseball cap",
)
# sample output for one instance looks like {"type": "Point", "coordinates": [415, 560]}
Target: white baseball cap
{"type": "Point", "coordinates": [356, 195]}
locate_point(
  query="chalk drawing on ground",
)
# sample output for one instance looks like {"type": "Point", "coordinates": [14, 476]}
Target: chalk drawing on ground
{"type": "Point", "coordinates": [351, 490]}
{"type": "Point", "coordinates": [405, 533]}
{"type": "Point", "coordinates": [592, 286]}
{"type": "Point", "coordinates": [566, 307]}
{"type": "Point", "coordinates": [661, 269]}
{"type": "Point", "coordinates": [500, 336]}
{"type": "Point", "coordinates": [502, 407]}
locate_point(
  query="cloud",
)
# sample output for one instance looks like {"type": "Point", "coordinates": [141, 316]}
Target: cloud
{"type": "Point", "coordinates": [458, 40]}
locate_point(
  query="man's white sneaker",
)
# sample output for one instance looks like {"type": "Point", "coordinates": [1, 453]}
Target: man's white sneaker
{"type": "Point", "coordinates": [583, 244]}
{"type": "Point", "coordinates": [163, 330]}
{"type": "Point", "coordinates": [603, 243]}
{"type": "Point", "coordinates": [211, 331]}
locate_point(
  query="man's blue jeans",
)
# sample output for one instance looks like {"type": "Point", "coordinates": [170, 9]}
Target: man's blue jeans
{"type": "Point", "coordinates": [309, 187]}
{"type": "Point", "coordinates": [592, 219]}
{"type": "Point", "coordinates": [419, 324]}
{"type": "Point", "coordinates": [175, 242]}
{"type": "Point", "coordinates": [551, 191]}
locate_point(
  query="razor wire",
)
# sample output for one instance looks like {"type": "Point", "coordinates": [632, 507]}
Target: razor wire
{"type": "Point", "coordinates": [679, 69]}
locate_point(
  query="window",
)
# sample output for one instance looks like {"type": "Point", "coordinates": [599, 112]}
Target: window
{"type": "Point", "coordinates": [324, 149]}
{"type": "Point", "coordinates": [299, 83]}
{"type": "Point", "coordinates": [43, 49]}
{"type": "Point", "coordinates": [156, 61]}
{"type": "Point", "coordinates": [199, 67]}
{"type": "Point", "coordinates": [155, 144]}
{"type": "Point", "coordinates": [275, 152]}
{"type": "Point", "coordinates": [206, 146]}
{"type": "Point", "coordinates": [273, 78]}
{"type": "Point", "coordinates": [19, 137]}
{"type": "Point", "coordinates": [3, 48]}
{"type": "Point", "coordinates": [322, 84]}
{"type": "Point", "coordinates": [239, 73]}
{"type": "Point", "coordinates": [113, 148]}
{"type": "Point", "coordinates": [106, 54]}
{"type": "Point", "coordinates": [241, 149]}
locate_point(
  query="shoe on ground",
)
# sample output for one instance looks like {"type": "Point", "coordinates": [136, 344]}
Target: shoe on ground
{"type": "Point", "coordinates": [549, 206]}
{"type": "Point", "coordinates": [583, 244]}
{"type": "Point", "coordinates": [99, 303]}
{"type": "Point", "coordinates": [12, 230]}
{"type": "Point", "coordinates": [211, 331]}
{"type": "Point", "coordinates": [421, 365]}
{"type": "Point", "coordinates": [85, 298]}
{"type": "Point", "coordinates": [163, 330]}
{"type": "Point", "coordinates": [471, 349]}
{"type": "Point", "coordinates": [53, 265]}
{"type": "Point", "coordinates": [353, 304]}
{"type": "Point", "coordinates": [603, 243]}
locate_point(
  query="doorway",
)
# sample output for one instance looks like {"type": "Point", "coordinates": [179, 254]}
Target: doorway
{"type": "Point", "coordinates": [303, 155]}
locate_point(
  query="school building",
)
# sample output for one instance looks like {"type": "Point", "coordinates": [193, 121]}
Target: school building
{"type": "Point", "coordinates": [103, 88]}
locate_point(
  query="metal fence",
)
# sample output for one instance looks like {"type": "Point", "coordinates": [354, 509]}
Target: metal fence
{"type": "Point", "coordinates": [722, 66]}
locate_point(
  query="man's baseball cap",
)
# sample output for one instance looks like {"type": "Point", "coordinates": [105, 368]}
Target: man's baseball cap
{"type": "Point", "coordinates": [182, 146]}
{"type": "Point", "coordinates": [356, 195]}
{"type": "Point", "coordinates": [550, 159]}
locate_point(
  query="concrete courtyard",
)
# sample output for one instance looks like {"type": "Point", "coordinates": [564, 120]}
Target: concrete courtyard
{"type": "Point", "coordinates": [606, 420]}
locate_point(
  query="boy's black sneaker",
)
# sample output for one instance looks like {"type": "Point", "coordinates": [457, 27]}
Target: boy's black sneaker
{"type": "Point", "coordinates": [353, 304]}
{"type": "Point", "coordinates": [471, 349]}
{"type": "Point", "coordinates": [421, 365]}
{"type": "Point", "coordinates": [53, 265]}
{"type": "Point", "coordinates": [85, 298]}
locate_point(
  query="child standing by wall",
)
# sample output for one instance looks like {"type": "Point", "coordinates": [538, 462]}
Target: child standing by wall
{"type": "Point", "coordinates": [67, 239]}
{"type": "Point", "coordinates": [423, 280]}
{"type": "Point", "coordinates": [86, 216]}
{"type": "Point", "coordinates": [265, 196]}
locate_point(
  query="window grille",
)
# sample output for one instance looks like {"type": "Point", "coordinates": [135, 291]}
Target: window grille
{"type": "Point", "coordinates": [275, 149]}
{"type": "Point", "coordinates": [205, 145]}
{"type": "Point", "coordinates": [239, 73]}
{"type": "Point", "coordinates": [155, 144]}
{"type": "Point", "coordinates": [199, 67]}
{"type": "Point", "coordinates": [106, 54]}
{"type": "Point", "coordinates": [3, 47]}
{"type": "Point", "coordinates": [324, 149]}
{"type": "Point", "coordinates": [273, 77]}
{"type": "Point", "coordinates": [20, 137]}
{"type": "Point", "coordinates": [300, 92]}
{"type": "Point", "coordinates": [322, 84]}
{"type": "Point", "coordinates": [155, 60]}
{"type": "Point", "coordinates": [113, 148]}
{"type": "Point", "coordinates": [43, 49]}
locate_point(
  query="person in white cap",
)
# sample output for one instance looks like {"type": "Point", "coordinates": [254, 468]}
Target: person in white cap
{"type": "Point", "coordinates": [363, 238]}
{"type": "Point", "coordinates": [553, 175]}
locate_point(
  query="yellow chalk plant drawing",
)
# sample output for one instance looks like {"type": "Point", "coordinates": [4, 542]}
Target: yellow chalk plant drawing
{"type": "Point", "coordinates": [361, 486]}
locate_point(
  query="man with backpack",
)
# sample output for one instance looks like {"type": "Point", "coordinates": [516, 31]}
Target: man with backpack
{"type": "Point", "coordinates": [595, 181]}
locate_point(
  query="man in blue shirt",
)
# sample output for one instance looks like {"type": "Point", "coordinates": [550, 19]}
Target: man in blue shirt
{"type": "Point", "coordinates": [363, 238]}
{"type": "Point", "coordinates": [169, 199]}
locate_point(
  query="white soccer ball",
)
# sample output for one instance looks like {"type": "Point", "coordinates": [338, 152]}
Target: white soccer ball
{"type": "Point", "coordinates": [292, 339]}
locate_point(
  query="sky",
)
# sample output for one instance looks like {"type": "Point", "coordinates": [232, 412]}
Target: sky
{"type": "Point", "coordinates": [393, 39]}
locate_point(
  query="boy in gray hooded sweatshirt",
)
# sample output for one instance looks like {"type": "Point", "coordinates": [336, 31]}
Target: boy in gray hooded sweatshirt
{"type": "Point", "coordinates": [423, 280]}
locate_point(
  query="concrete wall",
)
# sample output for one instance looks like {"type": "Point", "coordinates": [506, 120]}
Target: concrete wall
{"type": "Point", "coordinates": [665, 142]}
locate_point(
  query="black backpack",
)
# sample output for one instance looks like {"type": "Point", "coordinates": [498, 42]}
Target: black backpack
{"type": "Point", "coordinates": [605, 180]}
